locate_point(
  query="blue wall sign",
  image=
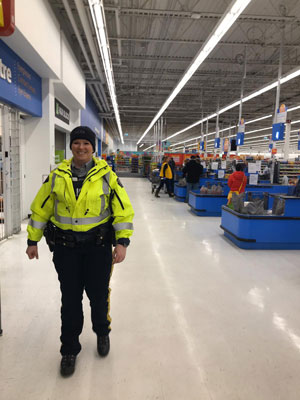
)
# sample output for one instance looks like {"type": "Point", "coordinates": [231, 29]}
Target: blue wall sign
{"type": "Point", "coordinates": [240, 139]}
{"type": "Point", "coordinates": [89, 117]}
{"type": "Point", "coordinates": [217, 143]}
{"type": "Point", "coordinates": [278, 131]}
{"type": "Point", "coordinates": [202, 146]}
{"type": "Point", "coordinates": [20, 86]}
{"type": "Point", "coordinates": [298, 144]}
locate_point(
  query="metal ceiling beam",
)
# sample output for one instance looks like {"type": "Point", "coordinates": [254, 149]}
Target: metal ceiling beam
{"type": "Point", "coordinates": [208, 60]}
{"type": "Point", "coordinates": [194, 15]}
{"type": "Point", "coordinates": [200, 42]}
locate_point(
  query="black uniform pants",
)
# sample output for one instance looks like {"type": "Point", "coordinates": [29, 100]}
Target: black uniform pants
{"type": "Point", "coordinates": [86, 267]}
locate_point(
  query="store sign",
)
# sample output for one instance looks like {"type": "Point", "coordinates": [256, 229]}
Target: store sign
{"type": "Point", "coordinates": [225, 145]}
{"type": "Point", "coordinates": [217, 143]}
{"type": "Point", "coordinates": [20, 86]}
{"type": "Point", "coordinates": [281, 116]}
{"type": "Point", "coordinates": [202, 146]}
{"type": "Point", "coordinates": [59, 156]}
{"type": "Point", "coordinates": [278, 131]}
{"type": "Point", "coordinates": [240, 139]}
{"type": "Point", "coordinates": [241, 127]}
{"type": "Point", "coordinates": [7, 17]}
{"type": "Point", "coordinates": [62, 112]}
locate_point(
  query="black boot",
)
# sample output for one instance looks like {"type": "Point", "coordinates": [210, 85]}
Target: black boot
{"type": "Point", "coordinates": [156, 193]}
{"type": "Point", "coordinates": [103, 345]}
{"type": "Point", "coordinates": [67, 365]}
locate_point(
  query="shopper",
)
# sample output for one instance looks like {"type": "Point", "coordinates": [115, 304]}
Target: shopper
{"type": "Point", "coordinates": [192, 172]}
{"type": "Point", "coordinates": [165, 177]}
{"type": "Point", "coordinates": [173, 166]}
{"type": "Point", "coordinates": [83, 205]}
{"type": "Point", "coordinates": [237, 182]}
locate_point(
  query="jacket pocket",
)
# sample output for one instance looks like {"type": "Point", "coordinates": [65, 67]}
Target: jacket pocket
{"type": "Point", "coordinates": [45, 201]}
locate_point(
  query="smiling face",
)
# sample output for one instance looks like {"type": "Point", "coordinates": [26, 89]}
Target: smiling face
{"type": "Point", "coordinates": [82, 151]}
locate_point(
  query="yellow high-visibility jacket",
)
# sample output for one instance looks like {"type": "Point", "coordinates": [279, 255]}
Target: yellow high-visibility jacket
{"type": "Point", "coordinates": [166, 171]}
{"type": "Point", "coordinates": [56, 202]}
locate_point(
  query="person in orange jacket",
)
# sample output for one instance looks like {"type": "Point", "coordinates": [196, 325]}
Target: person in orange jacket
{"type": "Point", "coordinates": [237, 182]}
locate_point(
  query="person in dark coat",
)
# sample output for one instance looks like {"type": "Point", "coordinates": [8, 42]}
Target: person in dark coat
{"type": "Point", "coordinates": [192, 172]}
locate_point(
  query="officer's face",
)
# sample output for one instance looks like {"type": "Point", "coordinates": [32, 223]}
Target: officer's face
{"type": "Point", "coordinates": [82, 151]}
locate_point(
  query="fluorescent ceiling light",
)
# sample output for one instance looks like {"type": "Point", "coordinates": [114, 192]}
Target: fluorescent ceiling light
{"type": "Point", "coordinates": [232, 127]}
{"type": "Point", "coordinates": [293, 108]}
{"type": "Point", "coordinates": [235, 104]}
{"type": "Point", "coordinates": [230, 16]}
{"type": "Point", "coordinates": [258, 119]}
{"type": "Point", "coordinates": [149, 147]}
{"type": "Point", "coordinates": [141, 145]}
{"type": "Point", "coordinates": [290, 76]}
{"type": "Point", "coordinates": [264, 89]}
{"type": "Point", "coordinates": [260, 91]}
{"type": "Point", "coordinates": [98, 15]}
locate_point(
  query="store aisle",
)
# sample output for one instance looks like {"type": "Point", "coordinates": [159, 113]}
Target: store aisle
{"type": "Point", "coordinates": [193, 317]}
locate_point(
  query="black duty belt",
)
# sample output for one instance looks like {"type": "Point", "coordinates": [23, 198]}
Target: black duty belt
{"type": "Point", "coordinates": [100, 236]}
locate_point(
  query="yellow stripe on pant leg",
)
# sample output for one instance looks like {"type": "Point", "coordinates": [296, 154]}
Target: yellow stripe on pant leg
{"type": "Point", "coordinates": [108, 298]}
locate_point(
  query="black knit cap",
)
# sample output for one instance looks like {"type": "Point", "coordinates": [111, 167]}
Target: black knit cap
{"type": "Point", "coordinates": [83, 132]}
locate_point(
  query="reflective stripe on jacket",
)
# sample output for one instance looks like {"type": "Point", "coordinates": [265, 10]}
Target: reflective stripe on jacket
{"type": "Point", "coordinates": [166, 171]}
{"type": "Point", "coordinates": [56, 201]}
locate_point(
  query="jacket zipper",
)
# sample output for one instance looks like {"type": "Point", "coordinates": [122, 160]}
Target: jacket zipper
{"type": "Point", "coordinates": [89, 176]}
{"type": "Point", "coordinates": [45, 201]}
{"type": "Point", "coordinates": [66, 172]}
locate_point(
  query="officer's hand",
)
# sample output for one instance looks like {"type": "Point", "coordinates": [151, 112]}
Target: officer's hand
{"type": "Point", "coordinates": [32, 252]}
{"type": "Point", "coordinates": [119, 254]}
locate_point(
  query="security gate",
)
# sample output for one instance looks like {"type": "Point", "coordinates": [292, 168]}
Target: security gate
{"type": "Point", "coordinates": [10, 176]}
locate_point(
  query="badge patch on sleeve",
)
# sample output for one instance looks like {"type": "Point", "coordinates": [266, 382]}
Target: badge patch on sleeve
{"type": "Point", "coordinates": [119, 182]}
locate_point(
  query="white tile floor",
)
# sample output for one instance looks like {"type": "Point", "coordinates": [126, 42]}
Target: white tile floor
{"type": "Point", "coordinates": [194, 317]}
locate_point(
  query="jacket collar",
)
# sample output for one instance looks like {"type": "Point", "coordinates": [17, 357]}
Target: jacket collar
{"type": "Point", "coordinates": [98, 170]}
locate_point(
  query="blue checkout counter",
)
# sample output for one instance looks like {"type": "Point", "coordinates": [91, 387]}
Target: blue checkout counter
{"type": "Point", "coordinates": [179, 192]}
{"type": "Point", "coordinates": [206, 205]}
{"type": "Point", "coordinates": [280, 232]}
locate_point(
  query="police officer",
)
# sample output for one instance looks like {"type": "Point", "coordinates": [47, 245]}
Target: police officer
{"type": "Point", "coordinates": [82, 205]}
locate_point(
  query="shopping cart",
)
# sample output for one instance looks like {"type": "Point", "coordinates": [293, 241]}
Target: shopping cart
{"type": "Point", "coordinates": [154, 179]}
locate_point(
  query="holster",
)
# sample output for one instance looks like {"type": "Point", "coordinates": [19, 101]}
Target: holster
{"type": "Point", "coordinates": [105, 234]}
{"type": "Point", "coordinates": [49, 233]}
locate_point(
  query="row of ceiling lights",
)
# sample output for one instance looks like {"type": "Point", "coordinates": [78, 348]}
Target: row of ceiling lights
{"type": "Point", "coordinates": [230, 16]}
{"type": "Point", "coordinates": [233, 127]}
{"type": "Point", "coordinates": [228, 19]}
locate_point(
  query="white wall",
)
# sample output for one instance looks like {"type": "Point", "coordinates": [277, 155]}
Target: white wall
{"type": "Point", "coordinates": [111, 147]}
{"type": "Point", "coordinates": [38, 147]}
{"type": "Point", "coordinates": [127, 146]}
{"type": "Point", "coordinates": [71, 73]}
{"type": "Point", "coordinates": [37, 37]}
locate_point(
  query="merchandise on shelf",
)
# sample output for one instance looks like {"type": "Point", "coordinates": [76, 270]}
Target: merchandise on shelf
{"type": "Point", "coordinates": [291, 169]}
